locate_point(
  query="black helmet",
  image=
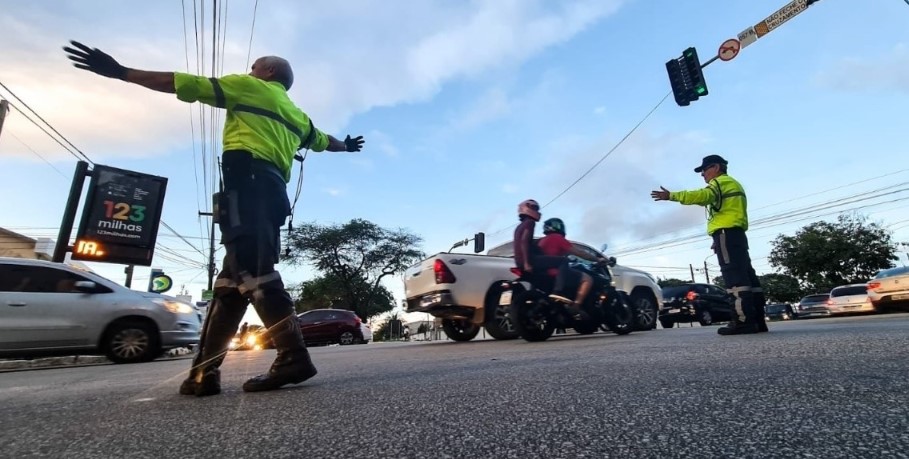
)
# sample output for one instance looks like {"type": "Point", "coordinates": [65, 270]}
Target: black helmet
{"type": "Point", "coordinates": [554, 225]}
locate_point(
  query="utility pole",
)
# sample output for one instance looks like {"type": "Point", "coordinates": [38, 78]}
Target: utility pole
{"type": "Point", "coordinates": [211, 251]}
{"type": "Point", "coordinates": [129, 275]}
{"type": "Point", "coordinates": [706, 273]}
{"type": "Point", "coordinates": [691, 267]}
{"type": "Point", "coordinates": [4, 107]}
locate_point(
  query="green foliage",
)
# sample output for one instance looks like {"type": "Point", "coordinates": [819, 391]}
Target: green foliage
{"type": "Point", "coordinates": [354, 257]}
{"type": "Point", "coordinates": [823, 255]}
{"type": "Point", "coordinates": [329, 292]}
{"type": "Point", "coordinates": [781, 288]}
{"type": "Point", "coordinates": [671, 282]}
{"type": "Point", "coordinates": [390, 330]}
{"type": "Point", "coordinates": [719, 282]}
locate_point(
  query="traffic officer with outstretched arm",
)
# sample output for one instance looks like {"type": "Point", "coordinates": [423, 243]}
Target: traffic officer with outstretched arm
{"type": "Point", "coordinates": [263, 130]}
{"type": "Point", "coordinates": [727, 221]}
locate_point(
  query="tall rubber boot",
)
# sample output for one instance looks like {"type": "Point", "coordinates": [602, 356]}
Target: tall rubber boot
{"type": "Point", "coordinates": [221, 324]}
{"type": "Point", "coordinates": [744, 300]}
{"type": "Point", "coordinates": [293, 364]}
{"type": "Point", "coordinates": [760, 301]}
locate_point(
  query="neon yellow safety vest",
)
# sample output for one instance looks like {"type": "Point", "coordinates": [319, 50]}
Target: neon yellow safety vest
{"type": "Point", "coordinates": [261, 118]}
{"type": "Point", "coordinates": [724, 198]}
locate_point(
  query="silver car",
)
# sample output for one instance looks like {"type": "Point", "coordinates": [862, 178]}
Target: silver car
{"type": "Point", "coordinates": [890, 287]}
{"type": "Point", "coordinates": [52, 308]}
{"type": "Point", "coordinates": [847, 299]}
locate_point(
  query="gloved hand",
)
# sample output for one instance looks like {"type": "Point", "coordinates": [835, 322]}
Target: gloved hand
{"type": "Point", "coordinates": [95, 60]}
{"type": "Point", "coordinates": [354, 144]}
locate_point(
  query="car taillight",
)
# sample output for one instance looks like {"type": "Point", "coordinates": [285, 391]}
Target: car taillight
{"type": "Point", "coordinates": [516, 271]}
{"type": "Point", "coordinates": [691, 296]}
{"type": "Point", "coordinates": [443, 274]}
{"type": "Point", "coordinates": [873, 285]}
{"type": "Point", "coordinates": [830, 301]}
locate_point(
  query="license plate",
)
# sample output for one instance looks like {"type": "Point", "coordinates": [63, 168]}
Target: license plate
{"type": "Point", "coordinates": [505, 299]}
{"type": "Point", "coordinates": [901, 297]}
{"type": "Point", "coordinates": [673, 311]}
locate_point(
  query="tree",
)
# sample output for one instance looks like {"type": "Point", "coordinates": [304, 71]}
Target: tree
{"type": "Point", "coordinates": [423, 328]}
{"type": "Point", "coordinates": [328, 292]}
{"type": "Point", "coordinates": [719, 282]}
{"type": "Point", "coordinates": [823, 255]}
{"type": "Point", "coordinates": [780, 288]}
{"type": "Point", "coordinates": [358, 254]}
{"type": "Point", "coordinates": [671, 282]}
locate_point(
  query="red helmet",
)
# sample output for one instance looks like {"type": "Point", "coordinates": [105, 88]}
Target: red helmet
{"type": "Point", "coordinates": [529, 208]}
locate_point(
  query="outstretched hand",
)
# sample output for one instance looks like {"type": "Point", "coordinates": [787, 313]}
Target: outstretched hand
{"type": "Point", "coordinates": [660, 195]}
{"type": "Point", "coordinates": [94, 60]}
{"type": "Point", "coordinates": [354, 144]}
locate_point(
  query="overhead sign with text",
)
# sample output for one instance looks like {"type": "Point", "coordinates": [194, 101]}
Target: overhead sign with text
{"type": "Point", "coordinates": [120, 218]}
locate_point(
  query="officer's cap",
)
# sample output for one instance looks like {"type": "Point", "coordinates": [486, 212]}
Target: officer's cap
{"type": "Point", "coordinates": [709, 161]}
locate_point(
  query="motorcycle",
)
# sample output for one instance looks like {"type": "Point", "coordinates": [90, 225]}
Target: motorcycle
{"type": "Point", "coordinates": [536, 316]}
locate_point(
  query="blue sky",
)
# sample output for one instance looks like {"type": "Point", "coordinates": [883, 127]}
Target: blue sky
{"type": "Point", "coordinates": [470, 107]}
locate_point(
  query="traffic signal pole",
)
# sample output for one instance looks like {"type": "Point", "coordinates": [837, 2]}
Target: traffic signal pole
{"type": "Point", "coordinates": [69, 213]}
{"type": "Point", "coordinates": [685, 72]}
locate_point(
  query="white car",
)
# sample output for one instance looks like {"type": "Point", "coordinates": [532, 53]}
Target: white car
{"type": "Point", "coordinates": [52, 308]}
{"type": "Point", "coordinates": [889, 287]}
{"type": "Point", "coordinates": [847, 299]}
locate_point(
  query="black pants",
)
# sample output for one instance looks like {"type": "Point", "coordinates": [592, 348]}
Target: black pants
{"type": "Point", "coordinates": [731, 247]}
{"type": "Point", "coordinates": [250, 212]}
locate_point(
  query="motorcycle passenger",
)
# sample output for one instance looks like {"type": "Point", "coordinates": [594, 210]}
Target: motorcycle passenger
{"type": "Point", "coordinates": [554, 244]}
{"type": "Point", "coordinates": [527, 255]}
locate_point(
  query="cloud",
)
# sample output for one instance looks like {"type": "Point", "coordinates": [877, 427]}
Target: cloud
{"type": "Point", "coordinates": [887, 72]}
{"type": "Point", "coordinates": [599, 110]}
{"type": "Point", "coordinates": [333, 191]}
{"type": "Point", "coordinates": [613, 202]}
{"type": "Point", "coordinates": [391, 53]}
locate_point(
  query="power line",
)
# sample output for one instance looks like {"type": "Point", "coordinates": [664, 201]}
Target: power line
{"type": "Point", "coordinates": [43, 121]}
{"type": "Point", "coordinates": [68, 150]}
{"type": "Point", "coordinates": [603, 158]}
{"type": "Point", "coordinates": [38, 154]}
{"type": "Point", "coordinates": [770, 224]}
{"type": "Point", "coordinates": [253, 29]}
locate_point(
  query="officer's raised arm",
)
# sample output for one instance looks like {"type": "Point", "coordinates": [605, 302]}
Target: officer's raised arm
{"type": "Point", "coordinates": [97, 61]}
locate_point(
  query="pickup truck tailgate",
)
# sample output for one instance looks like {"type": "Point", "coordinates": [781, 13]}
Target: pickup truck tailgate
{"type": "Point", "coordinates": [420, 278]}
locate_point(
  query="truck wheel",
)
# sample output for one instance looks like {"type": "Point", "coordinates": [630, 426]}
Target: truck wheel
{"type": "Point", "coordinates": [705, 318]}
{"type": "Point", "coordinates": [645, 309]}
{"type": "Point", "coordinates": [460, 329]}
{"type": "Point", "coordinates": [530, 316]}
{"type": "Point", "coordinates": [498, 321]}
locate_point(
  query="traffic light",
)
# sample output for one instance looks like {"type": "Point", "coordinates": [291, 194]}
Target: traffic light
{"type": "Point", "coordinates": [693, 65]}
{"type": "Point", "coordinates": [677, 81]}
{"type": "Point", "coordinates": [686, 77]}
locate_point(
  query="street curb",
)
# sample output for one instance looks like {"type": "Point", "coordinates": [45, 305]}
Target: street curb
{"type": "Point", "coordinates": [76, 360]}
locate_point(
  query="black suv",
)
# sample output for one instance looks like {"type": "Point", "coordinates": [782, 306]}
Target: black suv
{"type": "Point", "coordinates": [702, 303]}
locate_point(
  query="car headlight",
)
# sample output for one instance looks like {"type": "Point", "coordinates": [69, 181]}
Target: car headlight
{"type": "Point", "coordinates": [251, 340]}
{"type": "Point", "coordinates": [175, 307]}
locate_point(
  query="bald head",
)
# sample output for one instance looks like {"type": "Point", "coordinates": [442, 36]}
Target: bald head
{"type": "Point", "coordinates": [273, 68]}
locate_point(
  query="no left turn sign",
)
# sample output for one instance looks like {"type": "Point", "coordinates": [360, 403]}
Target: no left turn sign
{"type": "Point", "coordinates": [729, 49]}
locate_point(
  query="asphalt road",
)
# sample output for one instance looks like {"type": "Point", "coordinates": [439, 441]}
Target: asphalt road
{"type": "Point", "coordinates": [820, 388]}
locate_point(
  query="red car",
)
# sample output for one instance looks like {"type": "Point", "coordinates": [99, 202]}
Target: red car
{"type": "Point", "coordinates": [328, 326]}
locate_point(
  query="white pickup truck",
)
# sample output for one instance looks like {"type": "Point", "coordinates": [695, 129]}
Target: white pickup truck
{"type": "Point", "coordinates": [464, 290]}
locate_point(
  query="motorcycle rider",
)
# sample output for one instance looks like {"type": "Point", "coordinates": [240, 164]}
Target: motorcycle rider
{"type": "Point", "coordinates": [554, 244]}
{"type": "Point", "coordinates": [527, 255]}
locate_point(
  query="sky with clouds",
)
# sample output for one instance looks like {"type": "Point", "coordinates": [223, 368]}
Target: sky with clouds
{"type": "Point", "coordinates": [469, 107]}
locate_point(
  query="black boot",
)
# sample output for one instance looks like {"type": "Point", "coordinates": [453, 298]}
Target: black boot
{"type": "Point", "coordinates": [737, 328]}
{"type": "Point", "coordinates": [220, 326]}
{"type": "Point", "coordinates": [292, 365]}
{"type": "Point", "coordinates": [201, 383]}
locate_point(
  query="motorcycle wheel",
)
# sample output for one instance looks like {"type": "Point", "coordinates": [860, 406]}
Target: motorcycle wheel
{"type": "Point", "coordinates": [620, 316]}
{"type": "Point", "coordinates": [530, 316]}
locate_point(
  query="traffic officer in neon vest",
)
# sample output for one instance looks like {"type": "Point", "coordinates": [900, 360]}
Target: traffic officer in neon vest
{"type": "Point", "coordinates": [263, 130]}
{"type": "Point", "coordinates": [727, 221]}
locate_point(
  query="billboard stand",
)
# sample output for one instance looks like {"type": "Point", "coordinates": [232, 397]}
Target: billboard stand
{"type": "Point", "coordinates": [120, 217]}
{"type": "Point", "coordinates": [69, 213]}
